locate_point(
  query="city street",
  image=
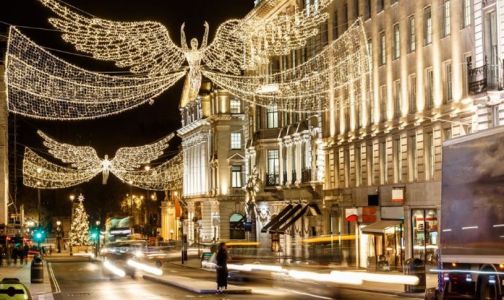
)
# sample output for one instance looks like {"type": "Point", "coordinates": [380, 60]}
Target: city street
{"type": "Point", "coordinates": [82, 280]}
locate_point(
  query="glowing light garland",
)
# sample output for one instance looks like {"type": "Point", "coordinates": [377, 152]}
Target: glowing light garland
{"type": "Point", "coordinates": [167, 176]}
{"type": "Point", "coordinates": [43, 86]}
{"type": "Point", "coordinates": [85, 164]}
{"type": "Point", "coordinates": [40, 85]}
{"type": "Point", "coordinates": [343, 67]}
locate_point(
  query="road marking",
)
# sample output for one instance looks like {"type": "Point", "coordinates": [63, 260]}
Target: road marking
{"type": "Point", "coordinates": [53, 279]}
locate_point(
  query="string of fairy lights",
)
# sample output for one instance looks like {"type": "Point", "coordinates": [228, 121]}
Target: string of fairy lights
{"type": "Point", "coordinates": [41, 85]}
{"type": "Point", "coordinates": [84, 164]}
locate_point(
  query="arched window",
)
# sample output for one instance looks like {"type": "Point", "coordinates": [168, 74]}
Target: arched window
{"type": "Point", "coordinates": [236, 227]}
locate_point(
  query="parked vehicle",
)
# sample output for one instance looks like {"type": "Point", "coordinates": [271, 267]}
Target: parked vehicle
{"type": "Point", "coordinates": [471, 258]}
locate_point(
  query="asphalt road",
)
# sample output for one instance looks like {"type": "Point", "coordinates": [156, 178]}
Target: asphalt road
{"type": "Point", "coordinates": [84, 280]}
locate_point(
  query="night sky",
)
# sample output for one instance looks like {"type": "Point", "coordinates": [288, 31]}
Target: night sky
{"type": "Point", "coordinates": [136, 127]}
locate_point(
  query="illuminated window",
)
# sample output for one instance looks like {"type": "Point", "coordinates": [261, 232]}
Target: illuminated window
{"type": "Point", "coordinates": [397, 42]}
{"type": "Point", "coordinates": [273, 177]}
{"type": "Point", "coordinates": [448, 81]}
{"type": "Point", "coordinates": [424, 223]}
{"type": "Point", "coordinates": [413, 94]}
{"type": "Point", "coordinates": [446, 18]}
{"type": "Point", "coordinates": [235, 106]}
{"type": "Point", "coordinates": [466, 12]}
{"type": "Point", "coordinates": [272, 116]}
{"type": "Point", "coordinates": [236, 176]}
{"type": "Point", "coordinates": [427, 26]}
{"type": "Point", "coordinates": [236, 140]}
{"type": "Point", "coordinates": [383, 48]}
{"type": "Point", "coordinates": [430, 89]}
{"type": "Point", "coordinates": [411, 34]}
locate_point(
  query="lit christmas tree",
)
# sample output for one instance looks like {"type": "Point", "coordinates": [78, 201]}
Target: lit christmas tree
{"type": "Point", "coordinates": [79, 230]}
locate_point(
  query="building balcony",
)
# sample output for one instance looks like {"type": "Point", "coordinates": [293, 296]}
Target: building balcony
{"type": "Point", "coordinates": [272, 179]}
{"type": "Point", "coordinates": [485, 78]}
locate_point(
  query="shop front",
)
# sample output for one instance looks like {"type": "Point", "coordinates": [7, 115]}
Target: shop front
{"type": "Point", "coordinates": [425, 237]}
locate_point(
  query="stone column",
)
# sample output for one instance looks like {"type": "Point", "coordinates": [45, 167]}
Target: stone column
{"type": "Point", "coordinates": [4, 146]}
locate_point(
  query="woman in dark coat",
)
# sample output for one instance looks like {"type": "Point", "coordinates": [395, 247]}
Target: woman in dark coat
{"type": "Point", "coordinates": [222, 270]}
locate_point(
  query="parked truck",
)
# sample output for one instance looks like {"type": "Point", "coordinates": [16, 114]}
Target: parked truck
{"type": "Point", "coordinates": [471, 257]}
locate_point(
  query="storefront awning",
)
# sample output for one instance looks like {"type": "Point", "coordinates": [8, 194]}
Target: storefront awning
{"type": "Point", "coordinates": [293, 219]}
{"type": "Point", "coordinates": [380, 226]}
{"type": "Point", "coordinates": [285, 218]}
{"type": "Point", "coordinates": [275, 219]}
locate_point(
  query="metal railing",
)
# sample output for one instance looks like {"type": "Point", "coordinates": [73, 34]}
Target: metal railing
{"type": "Point", "coordinates": [484, 78]}
{"type": "Point", "coordinates": [272, 179]}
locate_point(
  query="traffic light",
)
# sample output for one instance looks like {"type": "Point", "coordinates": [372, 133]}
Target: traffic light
{"type": "Point", "coordinates": [39, 235]}
{"type": "Point", "coordinates": [94, 234]}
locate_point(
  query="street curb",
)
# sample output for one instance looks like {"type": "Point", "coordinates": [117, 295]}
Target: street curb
{"type": "Point", "coordinates": [189, 267]}
{"type": "Point", "coordinates": [192, 289]}
{"type": "Point", "coordinates": [406, 295]}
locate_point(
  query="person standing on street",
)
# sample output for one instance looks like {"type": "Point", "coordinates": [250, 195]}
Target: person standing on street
{"type": "Point", "coordinates": [222, 270]}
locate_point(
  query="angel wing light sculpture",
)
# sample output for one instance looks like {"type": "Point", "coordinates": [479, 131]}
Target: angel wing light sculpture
{"type": "Point", "coordinates": [41, 85]}
{"type": "Point", "coordinates": [84, 164]}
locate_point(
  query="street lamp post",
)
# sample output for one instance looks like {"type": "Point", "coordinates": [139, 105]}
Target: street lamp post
{"type": "Point", "coordinates": [72, 198]}
{"type": "Point", "coordinates": [97, 247]}
{"type": "Point", "coordinates": [59, 233]}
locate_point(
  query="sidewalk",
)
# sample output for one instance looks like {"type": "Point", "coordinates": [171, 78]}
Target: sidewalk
{"type": "Point", "coordinates": [392, 289]}
{"type": "Point", "coordinates": [39, 291]}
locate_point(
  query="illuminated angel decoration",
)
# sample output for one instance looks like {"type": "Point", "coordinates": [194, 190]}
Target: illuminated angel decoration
{"type": "Point", "coordinates": [41, 85]}
{"type": "Point", "coordinates": [84, 164]}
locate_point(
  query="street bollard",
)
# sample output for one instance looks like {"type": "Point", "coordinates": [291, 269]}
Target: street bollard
{"type": "Point", "coordinates": [37, 270]}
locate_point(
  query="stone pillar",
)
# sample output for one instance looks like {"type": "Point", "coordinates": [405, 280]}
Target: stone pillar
{"type": "Point", "coordinates": [4, 146]}
{"type": "Point", "coordinates": [169, 230]}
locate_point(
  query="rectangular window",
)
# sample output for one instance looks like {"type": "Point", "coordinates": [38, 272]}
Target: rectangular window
{"type": "Point", "coordinates": [273, 176]}
{"type": "Point", "coordinates": [358, 174]}
{"type": "Point", "coordinates": [367, 10]}
{"type": "Point", "coordinates": [424, 223]}
{"type": "Point", "coordinates": [397, 42]}
{"type": "Point", "coordinates": [383, 48]}
{"type": "Point", "coordinates": [236, 140]}
{"type": "Point", "coordinates": [430, 155]}
{"type": "Point", "coordinates": [397, 160]}
{"type": "Point", "coordinates": [383, 102]}
{"type": "Point", "coordinates": [413, 174]}
{"type": "Point", "coordinates": [412, 94]}
{"type": "Point", "coordinates": [429, 77]}
{"type": "Point", "coordinates": [370, 49]}
{"type": "Point", "coordinates": [235, 106]}
{"type": "Point", "coordinates": [397, 98]}
{"type": "Point", "coordinates": [466, 12]}
{"type": "Point", "coordinates": [344, 24]}
{"type": "Point", "coordinates": [379, 5]}
{"type": "Point", "coordinates": [335, 25]}
{"type": "Point", "coordinates": [411, 34]}
{"type": "Point", "coordinates": [427, 26]}
{"type": "Point", "coordinates": [448, 81]}
{"type": "Point", "coordinates": [447, 134]}
{"type": "Point", "coordinates": [383, 163]}
{"type": "Point", "coordinates": [356, 9]}
{"type": "Point", "coordinates": [236, 176]}
{"type": "Point", "coordinates": [369, 164]}
{"type": "Point", "coordinates": [272, 118]}
{"type": "Point", "coordinates": [446, 18]}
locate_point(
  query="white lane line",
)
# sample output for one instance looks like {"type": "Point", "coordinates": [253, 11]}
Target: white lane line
{"type": "Point", "coordinates": [53, 278]}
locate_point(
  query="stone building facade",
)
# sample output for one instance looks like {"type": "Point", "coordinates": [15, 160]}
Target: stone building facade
{"type": "Point", "coordinates": [213, 151]}
{"type": "Point", "coordinates": [437, 73]}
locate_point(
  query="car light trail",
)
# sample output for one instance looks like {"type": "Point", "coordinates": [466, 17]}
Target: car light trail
{"type": "Point", "coordinates": [144, 267]}
{"type": "Point", "coordinates": [336, 278]}
{"type": "Point", "coordinates": [114, 269]}
{"type": "Point", "coordinates": [381, 278]}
